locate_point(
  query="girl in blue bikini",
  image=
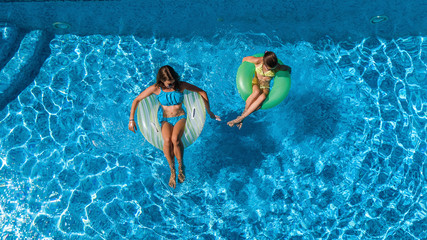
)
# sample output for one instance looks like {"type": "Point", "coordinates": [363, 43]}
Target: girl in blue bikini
{"type": "Point", "coordinates": [169, 90]}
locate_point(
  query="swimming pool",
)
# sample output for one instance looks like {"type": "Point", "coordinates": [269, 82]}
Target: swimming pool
{"type": "Point", "coordinates": [342, 157]}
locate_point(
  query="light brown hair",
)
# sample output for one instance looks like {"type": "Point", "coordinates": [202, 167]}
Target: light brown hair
{"type": "Point", "coordinates": [166, 73]}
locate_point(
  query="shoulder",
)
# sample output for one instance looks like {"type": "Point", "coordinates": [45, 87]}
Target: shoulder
{"type": "Point", "coordinates": [189, 87]}
{"type": "Point", "coordinates": [153, 88]}
{"type": "Point", "coordinates": [184, 85]}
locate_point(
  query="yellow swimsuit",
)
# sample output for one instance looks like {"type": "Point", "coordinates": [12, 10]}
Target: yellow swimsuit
{"type": "Point", "coordinates": [263, 84]}
{"type": "Point", "coordinates": [269, 73]}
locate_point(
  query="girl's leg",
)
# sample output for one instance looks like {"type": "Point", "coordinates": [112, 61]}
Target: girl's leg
{"type": "Point", "coordinates": [256, 104]}
{"type": "Point", "coordinates": [253, 107]}
{"type": "Point", "coordinates": [167, 129]}
{"type": "Point", "coordinates": [256, 92]}
{"type": "Point", "coordinates": [178, 147]}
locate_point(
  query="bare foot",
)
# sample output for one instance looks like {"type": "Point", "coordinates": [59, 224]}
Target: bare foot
{"type": "Point", "coordinates": [172, 180]}
{"type": "Point", "coordinates": [236, 121]}
{"type": "Point", "coordinates": [181, 174]}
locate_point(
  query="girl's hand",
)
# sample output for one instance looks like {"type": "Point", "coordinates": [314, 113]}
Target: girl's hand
{"type": "Point", "coordinates": [213, 116]}
{"type": "Point", "coordinates": [287, 68]}
{"type": "Point", "coordinates": [132, 125]}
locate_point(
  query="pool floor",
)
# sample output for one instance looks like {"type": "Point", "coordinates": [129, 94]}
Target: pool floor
{"type": "Point", "coordinates": [342, 157]}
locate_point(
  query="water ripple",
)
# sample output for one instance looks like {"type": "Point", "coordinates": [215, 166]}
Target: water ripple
{"type": "Point", "coordinates": [342, 157]}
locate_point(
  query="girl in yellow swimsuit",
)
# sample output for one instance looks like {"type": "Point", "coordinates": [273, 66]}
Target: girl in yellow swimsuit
{"type": "Point", "coordinates": [266, 68]}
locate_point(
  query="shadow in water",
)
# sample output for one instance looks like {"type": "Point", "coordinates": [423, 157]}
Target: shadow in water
{"type": "Point", "coordinates": [315, 115]}
{"type": "Point", "coordinates": [229, 147]}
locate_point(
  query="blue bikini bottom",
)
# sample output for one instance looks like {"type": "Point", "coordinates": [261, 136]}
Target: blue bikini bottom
{"type": "Point", "coordinates": [173, 120]}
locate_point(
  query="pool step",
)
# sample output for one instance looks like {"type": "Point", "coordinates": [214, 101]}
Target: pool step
{"type": "Point", "coordinates": [21, 69]}
{"type": "Point", "coordinates": [9, 38]}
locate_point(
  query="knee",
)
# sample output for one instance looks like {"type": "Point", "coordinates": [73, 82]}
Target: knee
{"type": "Point", "coordinates": [175, 140]}
{"type": "Point", "coordinates": [257, 92]}
{"type": "Point", "coordinates": [167, 142]}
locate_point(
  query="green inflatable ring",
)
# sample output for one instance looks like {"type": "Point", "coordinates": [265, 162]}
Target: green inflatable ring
{"type": "Point", "coordinates": [279, 91]}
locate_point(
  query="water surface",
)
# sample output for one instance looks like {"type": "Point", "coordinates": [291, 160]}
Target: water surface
{"type": "Point", "coordinates": [342, 157]}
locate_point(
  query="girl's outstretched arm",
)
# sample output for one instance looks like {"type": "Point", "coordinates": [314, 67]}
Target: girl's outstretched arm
{"type": "Point", "coordinates": [285, 68]}
{"type": "Point", "coordinates": [251, 59]}
{"type": "Point", "coordinates": [147, 92]}
{"type": "Point", "coordinates": [204, 96]}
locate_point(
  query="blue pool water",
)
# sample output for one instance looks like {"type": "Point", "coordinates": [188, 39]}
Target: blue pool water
{"type": "Point", "coordinates": [344, 156]}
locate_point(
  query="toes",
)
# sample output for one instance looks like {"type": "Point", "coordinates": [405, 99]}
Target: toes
{"type": "Point", "coordinates": [232, 123]}
{"type": "Point", "coordinates": [172, 181]}
{"type": "Point", "coordinates": [181, 174]}
{"type": "Point", "coordinates": [235, 122]}
{"type": "Point", "coordinates": [181, 178]}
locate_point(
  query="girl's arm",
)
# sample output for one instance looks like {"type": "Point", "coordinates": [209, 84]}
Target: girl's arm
{"type": "Point", "coordinates": [205, 98]}
{"type": "Point", "coordinates": [251, 59]}
{"type": "Point", "coordinates": [285, 68]}
{"type": "Point", "coordinates": [147, 92]}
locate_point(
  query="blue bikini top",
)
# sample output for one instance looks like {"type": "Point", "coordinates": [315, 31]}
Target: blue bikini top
{"type": "Point", "coordinates": [170, 98]}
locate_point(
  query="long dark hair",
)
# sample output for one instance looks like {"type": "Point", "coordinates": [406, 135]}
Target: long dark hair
{"type": "Point", "coordinates": [270, 59]}
{"type": "Point", "coordinates": [166, 73]}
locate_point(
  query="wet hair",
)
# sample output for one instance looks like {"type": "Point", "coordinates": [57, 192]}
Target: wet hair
{"type": "Point", "coordinates": [167, 73]}
{"type": "Point", "coordinates": [270, 59]}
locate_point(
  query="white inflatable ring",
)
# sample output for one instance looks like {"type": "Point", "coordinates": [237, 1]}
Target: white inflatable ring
{"type": "Point", "coordinates": [150, 127]}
